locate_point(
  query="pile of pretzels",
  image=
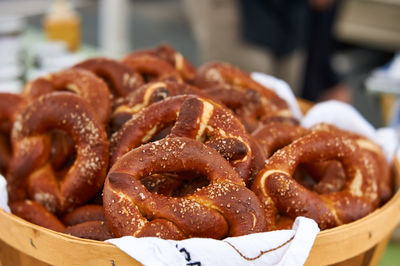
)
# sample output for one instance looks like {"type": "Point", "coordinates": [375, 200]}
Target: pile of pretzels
{"type": "Point", "coordinates": [151, 146]}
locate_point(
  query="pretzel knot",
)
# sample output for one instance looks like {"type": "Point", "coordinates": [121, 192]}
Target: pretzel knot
{"type": "Point", "coordinates": [275, 186]}
{"type": "Point", "coordinates": [120, 78]}
{"type": "Point", "coordinates": [225, 207]}
{"type": "Point", "coordinates": [31, 175]}
{"type": "Point", "coordinates": [192, 117]}
{"type": "Point", "coordinates": [81, 82]}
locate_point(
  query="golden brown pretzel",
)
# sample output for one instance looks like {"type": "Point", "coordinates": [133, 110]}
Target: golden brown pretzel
{"type": "Point", "coordinates": [326, 176]}
{"type": "Point", "coordinates": [85, 213]}
{"type": "Point", "coordinates": [145, 95]}
{"type": "Point", "coordinates": [79, 81]}
{"type": "Point", "coordinates": [35, 213]}
{"type": "Point", "coordinates": [216, 73]}
{"type": "Point", "coordinates": [151, 67]}
{"type": "Point", "coordinates": [277, 189]}
{"type": "Point", "coordinates": [120, 78]}
{"type": "Point", "coordinates": [206, 121]}
{"type": "Point", "coordinates": [30, 173]}
{"type": "Point", "coordinates": [192, 117]}
{"type": "Point", "coordinates": [89, 222]}
{"type": "Point", "coordinates": [384, 179]}
{"type": "Point", "coordinates": [246, 104]}
{"type": "Point", "coordinates": [10, 106]}
{"type": "Point", "coordinates": [223, 208]}
{"type": "Point", "coordinates": [185, 69]}
{"type": "Point", "coordinates": [96, 230]}
{"type": "Point", "coordinates": [144, 125]}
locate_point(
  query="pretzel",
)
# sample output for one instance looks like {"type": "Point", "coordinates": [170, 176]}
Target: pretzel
{"type": "Point", "coordinates": [151, 67]}
{"type": "Point", "coordinates": [79, 81]}
{"type": "Point", "coordinates": [246, 104]}
{"type": "Point", "coordinates": [277, 189]}
{"type": "Point", "coordinates": [385, 182]}
{"type": "Point", "coordinates": [95, 230]}
{"type": "Point", "coordinates": [223, 208]}
{"type": "Point", "coordinates": [186, 70]}
{"type": "Point", "coordinates": [120, 78]}
{"type": "Point", "coordinates": [10, 106]}
{"type": "Point", "coordinates": [145, 95]}
{"type": "Point", "coordinates": [35, 213]}
{"type": "Point", "coordinates": [191, 117]}
{"type": "Point", "coordinates": [85, 213]}
{"type": "Point", "coordinates": [144, 125]}
{"type": "Point", "coordinates": [89, 222]}
{"type": "Point", "coordinates": [208, 122]}
{"type": "Point", "coordinates": [31, 175]}
{"type": "Point", "coordinates": [216, 74]}
{"type": "Point", "coordinates": [329, 176]}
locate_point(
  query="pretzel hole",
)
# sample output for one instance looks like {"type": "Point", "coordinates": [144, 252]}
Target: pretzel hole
{"type": "Point", "coordinates": [175, 184]}
{"type": "Point", "coordinates": [322, 177]}
{"type": "Point", "coordinates": [159, 94]}
{"type": "Point", "coordinates": [63, 152]}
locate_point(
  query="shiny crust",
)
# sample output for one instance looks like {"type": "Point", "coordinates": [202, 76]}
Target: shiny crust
{"type": "Point", "coordinates": [96, 230]}
{"type": "Point", "coordinates": [35, 213]}
{"type": "Point", "coordinates": [85, 213]}
{"type": "Point", "coordinates": [10, 106]}
{"type": "Point", "coordinates": [279, 191]}
{"type": "Point", "coordinates": [191, 117]}
{"type": "Point", "coordinates": [81, 82]}
{"type": "Point", "coordinates": [217, 74]}
{"type": "Point", "coordinates": [121, 79]}
{"type": "Point", "coordinates": [165, 52]}
{"type": "Point", "coordinates": [223, 208]}
{"type": "Point", "coordinates": [384, 177]}
{"type": "Point", "coordinates": [144, 125]}
{"type": "Point", "coordinates": [30, 171]}
{"type": "Point", "coordinates": [147, 94]}
{"type": "Point", "coordinates": [151, 67]}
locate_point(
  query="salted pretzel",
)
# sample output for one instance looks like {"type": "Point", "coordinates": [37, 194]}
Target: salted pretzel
{"type": "Point", "coordinates": [152, 68]}
{"type": "Point", "coordinates": [89, 222]}
{"type": "Point", "coordinates": [217, 73]}
{"type": "Point", "coordinates": [79, 81]}
{"type": "Point", "coordinates": [223, 208]}
{"type": "Point", "coordinates": [10, 106]}
{"type": "Point", "coordinates": [192, 117]}
{"type": "Point", "coordinates": [30, 173]}
{"type": "Point", "coordinates": [185, 69]}
{"type": "Point", "coordinates": [35, 213]}
{"type": "Point", "coordinates": [277, 190]}
{"type": "Point", "coordinates": [208, 122]}
{"type": "Point", "coordinates": [385, 182]}
{"type": "Point", "coordinates": [145, 95]}
{"type": "Point", "coordinates": [326, 177]}
{"type": "Point", "coordinates": [120, 78]}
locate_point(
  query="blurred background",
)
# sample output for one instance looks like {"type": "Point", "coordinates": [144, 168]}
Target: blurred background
{"type": "Point", "coordinates": [325, 49]}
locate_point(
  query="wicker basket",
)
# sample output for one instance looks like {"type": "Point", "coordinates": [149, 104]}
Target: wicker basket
{"type": "Point", "coordinates": [359, 243]}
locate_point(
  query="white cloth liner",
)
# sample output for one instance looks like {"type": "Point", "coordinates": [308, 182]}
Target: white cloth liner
{"type": "Point", "coordinates": [285, 247]}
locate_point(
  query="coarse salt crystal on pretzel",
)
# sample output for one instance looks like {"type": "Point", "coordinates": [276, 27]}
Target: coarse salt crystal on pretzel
{"type": "Point", "coordinates": [223, 208]}
{"type": "Point", "coordinates": [79, 81]}
{"type": "Point", "coordinates": [31, 175]}
{"type": "Point", "coordinates": [279, 191]}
